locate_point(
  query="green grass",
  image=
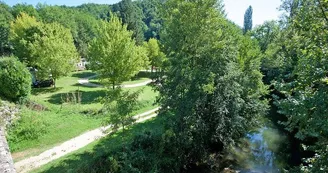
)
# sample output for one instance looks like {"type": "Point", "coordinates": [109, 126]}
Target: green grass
{"type": "Point", "coordinates": [65, 121]}
{"type": "Point", "coordinates": [82, 159]}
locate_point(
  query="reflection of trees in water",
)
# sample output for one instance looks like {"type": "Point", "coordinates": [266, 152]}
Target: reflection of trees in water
{"type": "Point", "coordinates": [263, 151]}
{"type": "Point", "coordinates": [261, 155]}
{"type": "Point", "coordinates": [265, 147]}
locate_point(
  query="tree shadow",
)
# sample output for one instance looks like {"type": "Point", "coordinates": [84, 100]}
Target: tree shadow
{"type": "Point", "coordinates": [87, 97]}
{"type": "Point", "coordinates": [87, 86]}
{"type": "Point", "coordinates": [95, 159]}
{"type": "Point", "coordinates": [142, 74]}
{"type": "Point", "coordinates": [83, 74]}
{"type": "Point", "coordinates": [37, 91]}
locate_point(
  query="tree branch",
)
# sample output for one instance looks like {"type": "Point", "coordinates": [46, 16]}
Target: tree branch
{"type": "Point", "coordinates": [323, 11]}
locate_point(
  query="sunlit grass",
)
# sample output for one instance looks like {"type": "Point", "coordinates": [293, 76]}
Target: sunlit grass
{"type": "Point", "coordinates": [67, 120]}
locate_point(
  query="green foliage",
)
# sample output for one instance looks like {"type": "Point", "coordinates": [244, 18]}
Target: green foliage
{"type": "Point", "coordinates": [82, 25]}
{"type": "Point", "coordinates": [248, 19]}
{"type": "Point", "coordinates": [26, 127]}
{"type": "Point", "coordinates": [266, 33]}
{"type": "Point", "coordinates": [24, 8]}
{"type": "Point", "coordinates": [156, 57]}
{"type": "Point", "coordinates": [303, 74]}
{"type": "Point", "coordinates": [99, 11]}
{"type": "Point", "coordinates": [113, 54]}
{"type": "Point", "coordinates": [54, 51]}
{"type": "Point", "coordinates": [22, 32]}
{"type": "Point", "coordinates": [151, 18]}
{"type": "Point", "coordinates": [49, 47]}
{"type": "Point", "coordinates": [126, 103]}
{"type": "Point", "coordinates": [131, 16]}
{"type": "Point", "coordinates": [15, 79]}
{"type": "Point", "coordinates": [213, 86]}
{"type": "Point", "coordinates": [5, 19]}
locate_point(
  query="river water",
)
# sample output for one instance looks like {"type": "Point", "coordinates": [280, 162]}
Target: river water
{"type": "Point", "coordinates": [262, 151]}
{"type": "Point", "coordinates": [265, 145]}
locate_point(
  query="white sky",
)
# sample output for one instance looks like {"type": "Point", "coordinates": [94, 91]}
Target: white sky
{"type": "Point", "coordinates": [262, 9]}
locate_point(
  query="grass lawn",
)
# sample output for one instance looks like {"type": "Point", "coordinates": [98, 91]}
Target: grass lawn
{"type": "Point", "coordinates": [82, 159]}
{"type": "Point", "coordinates": [67, 120]}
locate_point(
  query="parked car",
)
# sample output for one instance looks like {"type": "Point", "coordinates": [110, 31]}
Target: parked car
{"type": "Point", "coordinates": [43, 83]}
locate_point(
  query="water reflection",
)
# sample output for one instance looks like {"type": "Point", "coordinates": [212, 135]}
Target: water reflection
{"type": "Point", "coordinates": [264, 144]}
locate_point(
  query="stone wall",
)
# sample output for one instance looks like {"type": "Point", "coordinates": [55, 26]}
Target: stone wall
{"type": "Point", "coordinates": [7, 115]}
{"type": "Point", "coordinates": [6, 161]}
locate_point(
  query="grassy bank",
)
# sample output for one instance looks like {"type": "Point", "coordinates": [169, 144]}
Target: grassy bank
{"type": "Point", "coordinates": [84, 159]}
{"type": "Point", "coordinates": [63, 120]}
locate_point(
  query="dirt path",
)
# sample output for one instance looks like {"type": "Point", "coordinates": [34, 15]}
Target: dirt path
{"type": "Point", "coordinates": [71, 145]}
{"type": "Point", "coordinates": [85, 82]}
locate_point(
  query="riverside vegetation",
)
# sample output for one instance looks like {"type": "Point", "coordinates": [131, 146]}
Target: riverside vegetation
{"type": "Point", "coordinates": [232, 98]}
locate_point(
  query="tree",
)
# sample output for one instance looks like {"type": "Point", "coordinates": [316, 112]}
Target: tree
{"type": "Point", "coordinates": [213, 87]}
{"type": "Point", "coordinates": [15, 79]}
{"type": "Point", "coordinates": [153, 52]}
{"type": "Point", "coordinates": [266, 34]}
{"type": "Point", "coordinates": [54, 51]}
{"type": "Point", "coordinates": [113, 54]}
{"type": "Point", "coordinates": [24, 8]}
{"type": "Point", "coordinates": [5, 19]}
{"type": "Point", "coordinates": [131, 15]}
{"type": "Point", "coordinates": [248, 19]}
{"type": "Point", "coordinates": [126, 104]}
{"type": "Point", "coordinates": [151, 17]}
{"type": "Point", "coordinates": [48, 47]}
{"type": "Point", "coordinates": [22, 32]}
{"type": "Point", "coordinates": [303, 78]}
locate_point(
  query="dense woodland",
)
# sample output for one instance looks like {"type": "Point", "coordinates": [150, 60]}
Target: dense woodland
{"type": "Point", "coordinates": [216, 80]}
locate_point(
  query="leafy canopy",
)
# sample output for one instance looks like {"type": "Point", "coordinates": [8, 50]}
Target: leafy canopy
{"type": "Point", "coordinates": [213, 87]}
{"type": "Point", "coordinates": [113, 54]}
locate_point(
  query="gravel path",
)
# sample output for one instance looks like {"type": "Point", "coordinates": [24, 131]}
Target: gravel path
{"type": "Point", "coordinates": [71, 145]}
{"type": "Point", "coordinates": [85, 82]}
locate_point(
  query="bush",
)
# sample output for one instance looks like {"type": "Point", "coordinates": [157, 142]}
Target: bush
{"type": "Point", "coordinates": [15, 79]}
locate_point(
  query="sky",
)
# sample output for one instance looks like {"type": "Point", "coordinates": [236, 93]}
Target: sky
{"type": "Point", "coordinates": [262, 9]}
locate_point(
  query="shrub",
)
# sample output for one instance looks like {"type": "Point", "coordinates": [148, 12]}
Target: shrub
{"type": "Point", "coordinates": [15, 79]}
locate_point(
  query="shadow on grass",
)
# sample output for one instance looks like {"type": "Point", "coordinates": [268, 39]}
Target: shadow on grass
{"type": "Point", "coordinates": [83, 74]}
{"type": "Point", "coordinates": [37, 91]}
{"type": "Point", "coordinates": [142, 74]}
{"type": "Point", "coordinates": [87, 97]}
{"type": "Point", "coordinates": [95, 159]}
{"type": "Point", "coordinates": [86, 86]}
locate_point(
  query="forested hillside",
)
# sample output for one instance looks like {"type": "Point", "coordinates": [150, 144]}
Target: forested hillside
{"type": "Point", "coordinates": [215, 83]}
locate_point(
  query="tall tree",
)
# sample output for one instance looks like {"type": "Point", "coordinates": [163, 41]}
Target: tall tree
{"type": "Point", "coordinates": [48, 47]}
{"type": "Point", "coordinates": [113, 54]}
{"type": "Point", "coordinates": [248, 19]}
{"type": "Point", "coordinates": [54, 51]}
{"type": "Point", "coordinates": [5, 19]}
{"type": "Point", "coordinates": [153, 52]}
{"type": "Point", "coordinates": [22, 32]}
{"type": "Point", "coordinates": [213, 87]}
{"type": "Point", "coordinates": [303, 81]}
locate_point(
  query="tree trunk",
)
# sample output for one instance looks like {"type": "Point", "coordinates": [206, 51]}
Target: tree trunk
{"type": "Point", "coordinates": [54, 83]}
{"type": "Point", "coordinates": [6, 161]}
